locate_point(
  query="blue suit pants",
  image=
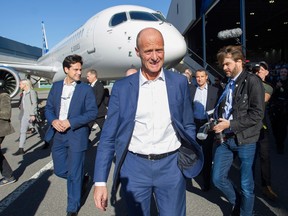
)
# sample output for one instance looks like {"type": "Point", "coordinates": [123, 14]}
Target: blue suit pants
{"type": "Point", "coordinates": [69, 165]}
{"type": "Point", "coordinates": [141, 177]}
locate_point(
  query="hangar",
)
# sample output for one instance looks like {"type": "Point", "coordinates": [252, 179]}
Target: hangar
{"type": "Point", "coordinates": [264, 24]}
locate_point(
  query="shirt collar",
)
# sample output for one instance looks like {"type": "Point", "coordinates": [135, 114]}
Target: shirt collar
{"type": "Point", "coordinates": [93, 83]}
{"type": "Point", "coordinates": [143, 79]}
{"type": "Point", "coordinates": [234, 79]}
{"type": "Point", "coordinates": [72, 84]}
{"type": "Point", "coordinates": [205, 87]}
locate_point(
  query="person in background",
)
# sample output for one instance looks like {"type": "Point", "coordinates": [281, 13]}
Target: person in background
{"type": "Point", "coordinates": [188, 73]}
{"type": "Point", "coordinates": [130, 71]}
{"type": "Point", "coordinates": [28, 111]}
{"type": "Point", "coordinates": [204, 99]}
{"type": "Point", "coordinates": [239, 113]}
{"type": "Point", "coordinates": [279, 110]}
{"type": "Point", "coordinates": [149, 112]}
{"type": "Point", "coordinates": [70, 106]}
{"type": "Point", "coordinates": [98, 89]}
{"type": "Point", "coordinates": [263, 146]}
{"type": "Point", "coordinates": [218, 83]}
{"type": "Point", "coordinates": [5, 129]}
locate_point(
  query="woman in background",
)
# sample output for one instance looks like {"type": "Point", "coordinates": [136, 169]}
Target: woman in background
{"type": "Point", "coordinates": [28, 111]}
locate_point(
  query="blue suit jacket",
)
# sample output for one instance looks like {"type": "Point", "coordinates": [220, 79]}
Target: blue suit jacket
{"type": "Point", "coordinates": [119, 125]}
{"type": "Point", "coordinates": [82, 110]}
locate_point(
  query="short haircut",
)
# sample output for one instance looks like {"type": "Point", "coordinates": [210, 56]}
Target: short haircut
{"type": "Point", "coordinates": [93, 71]}
{"type": "Point", "coordinates": [72, 59]}
{"type": "Point", "coordinates": [202, 70]}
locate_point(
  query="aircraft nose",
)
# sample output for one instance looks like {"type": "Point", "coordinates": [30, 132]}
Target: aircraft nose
{"type": "Point", "coordinates": [175, 46]}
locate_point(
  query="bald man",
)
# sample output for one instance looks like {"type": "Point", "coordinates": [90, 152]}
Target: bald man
{"type": "Point", "coordinates": [149, 114]}
{"type": "Point", "coordinates": [130, 71]}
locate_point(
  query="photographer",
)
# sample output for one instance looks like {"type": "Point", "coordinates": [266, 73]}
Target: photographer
{"type": "Point", "coordinates": [204, 98]}
{"type": "Point", "coordinates": [263, 144]}
{"type": "Point", "coordinates": [241, 110]}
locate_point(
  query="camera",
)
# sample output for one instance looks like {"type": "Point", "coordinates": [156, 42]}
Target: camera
{"type": "Point", "coordinates": [204, 129]}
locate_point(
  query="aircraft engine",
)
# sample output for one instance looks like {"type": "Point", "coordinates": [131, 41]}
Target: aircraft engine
{"type": "Point", "coordinates": [11, 80]}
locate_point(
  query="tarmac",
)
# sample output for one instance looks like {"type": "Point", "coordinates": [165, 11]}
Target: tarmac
{"type": "Point", "coordinates": [38, 191]}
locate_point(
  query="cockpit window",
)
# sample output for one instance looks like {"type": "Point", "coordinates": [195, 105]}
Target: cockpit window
{"type": "Point", "coordinates": [118, 19]}
{"type": "Point", "coordinates": [139, 15]}
{"type": "Point", "coordinates": [160, 16]}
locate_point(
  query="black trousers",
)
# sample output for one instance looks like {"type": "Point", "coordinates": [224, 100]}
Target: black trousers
{"type": "Point", "coordinates": [207, 147]}
{"type": "Point", "coordinates": [279, 122]}
{"type": "Point", "coordinates": [5, 168]}
{"type": "Point", "coordinates": [263, 150]}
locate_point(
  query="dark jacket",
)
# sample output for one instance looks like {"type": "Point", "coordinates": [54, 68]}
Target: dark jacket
{"type": "Point", "coordinates": [247, 108]}
{"type": "Point", "coordinates": [98, 89]}
{"type": "Point", "coordinates": [212, 96]}
{"type": "Point", "coordinates": [5, 115]}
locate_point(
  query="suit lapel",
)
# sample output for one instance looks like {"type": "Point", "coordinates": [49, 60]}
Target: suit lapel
{"type": "Point", "coordinates": [133, 91]}
{"type": "Point", "coordinates": [171, 92]}
{"type": "Point", "coordinates": [75, 98]}
{"type": "Point", "coordinates": [59, 88]}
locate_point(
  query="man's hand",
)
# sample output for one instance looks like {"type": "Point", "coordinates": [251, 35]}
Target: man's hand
{"type": "Point", "coordinates": [101, 197]}
{"type": "Point", "coordinates": [66, 124]}
{"type": "Point", "coordinates": [57, 124]}
{"type": "Point", "coordinates": [61, 125]}
{"type": "Point", "coordinates": [222, 125]}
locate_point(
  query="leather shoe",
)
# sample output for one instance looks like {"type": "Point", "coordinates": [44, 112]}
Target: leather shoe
{"type": "Point", "coordinates": [19, 152]}
{"type": "Point", "coordinates": [72, 213]}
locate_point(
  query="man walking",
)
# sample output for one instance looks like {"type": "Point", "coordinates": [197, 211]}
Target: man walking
{"type": "Point", "coordinates": [149, 112]}
{"type": "Point", "coordinates": [240, 110]}
{"type": "Point", "coordinates": [71, 105]}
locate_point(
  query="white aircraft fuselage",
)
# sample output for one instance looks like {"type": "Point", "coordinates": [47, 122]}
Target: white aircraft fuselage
{"type": "Point", "coordinates": [107, 43]}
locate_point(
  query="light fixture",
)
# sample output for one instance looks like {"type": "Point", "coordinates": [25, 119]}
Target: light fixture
{"type": "Point", "coordinates": [252, 13]}
{"type": "Point", "coordinates": [269, 29]}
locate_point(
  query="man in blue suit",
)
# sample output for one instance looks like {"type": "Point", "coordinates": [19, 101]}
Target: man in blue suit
{"type": "Point", "coordinates": [71, 105]}
{"type": "Point", "coordinates": [149, 114]}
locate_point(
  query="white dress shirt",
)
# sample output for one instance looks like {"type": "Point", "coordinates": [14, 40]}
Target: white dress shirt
{"type": "Point", "coordinates": [67, 93]}
{"type": "Point", "coordinates": [153, 132]}
{"type": "Point", "coordinates": [200, 101]}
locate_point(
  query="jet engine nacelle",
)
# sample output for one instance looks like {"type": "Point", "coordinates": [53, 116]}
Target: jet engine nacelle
{"type": "Point", "coordinates": [11, 80]}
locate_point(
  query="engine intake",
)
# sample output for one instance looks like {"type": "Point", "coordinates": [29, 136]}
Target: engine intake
{"type": "Point", "coordinates": [11, 80]}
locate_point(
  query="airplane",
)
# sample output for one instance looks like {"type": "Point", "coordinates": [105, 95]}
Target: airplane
{"type": "Point", "coordinates": [106, 42]}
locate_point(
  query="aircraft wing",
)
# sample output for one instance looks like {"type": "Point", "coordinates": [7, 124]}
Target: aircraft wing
{"type": "Point", "coordinates": [9, 73]}
{"type": "Point", "coordinates": [47, 72]}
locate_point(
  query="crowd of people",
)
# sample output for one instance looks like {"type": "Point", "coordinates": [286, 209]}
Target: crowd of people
{"type": "Point", "coordinates": [153, 114]}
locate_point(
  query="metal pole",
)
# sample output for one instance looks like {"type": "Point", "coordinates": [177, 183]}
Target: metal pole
{"type": "Point", "coordinates": [243, 25]}
{"type": "Point", "coordinates": [204, 40]}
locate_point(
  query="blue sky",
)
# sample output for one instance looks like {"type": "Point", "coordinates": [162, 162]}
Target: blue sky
{"type": "Point", "coordinates": [20, 20]}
